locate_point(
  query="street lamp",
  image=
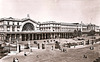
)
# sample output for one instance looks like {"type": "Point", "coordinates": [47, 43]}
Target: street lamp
{"type": "Point", "coordinates": [29, 46]}
{"type": "Point", "coordinates": [17, 46]}
{"type": "Point", "coordinates": [59, 37]}
{"type": "Point", "coordinates": [59, 43]}
{"type": "Point", "coordinates": [9, 44]}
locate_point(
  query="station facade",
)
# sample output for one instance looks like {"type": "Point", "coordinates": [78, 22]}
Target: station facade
{"type": "Point", "coordinates": [28, 30]}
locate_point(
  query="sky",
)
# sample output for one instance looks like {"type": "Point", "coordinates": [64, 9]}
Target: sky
{"type": "Point", "coordinates": [69, 11]}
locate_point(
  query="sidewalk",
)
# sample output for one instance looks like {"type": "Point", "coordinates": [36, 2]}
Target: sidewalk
{"type": "Point", "coordinates": [79, 46]}
{"type": "Point", "coordinates": [36, 51]}
{"type": "Point", "coordinates": [82, 46]}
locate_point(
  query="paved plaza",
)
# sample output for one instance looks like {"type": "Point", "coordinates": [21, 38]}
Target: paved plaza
{"type": "Point", "coordinates": [40, 55]}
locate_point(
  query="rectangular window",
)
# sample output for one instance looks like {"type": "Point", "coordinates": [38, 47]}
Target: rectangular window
{"type": "Point", "coordinates": [18, 27]}
{"type": "Point", "coordinates": [13, 28]}
{"type": "Point", "coordinates": [13, 23]}
{"type": "Point", "coordinates": [8, 23]}
{"type": "Point", "coordinates": [17, 23]}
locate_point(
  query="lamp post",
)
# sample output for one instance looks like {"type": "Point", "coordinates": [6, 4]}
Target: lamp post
{"type": "Point", "coordinates": [29, 45]}
{"type": "Point", "coordinates": [18, 46]}
{"type": "Point", "coordinates": [59, 43]}
{"type": "Point", "coordinates": [9, 48]}
{"type": "Point", "coordinates": [59, 37]}
{"type": "Point", "coordinates": [9, 44]}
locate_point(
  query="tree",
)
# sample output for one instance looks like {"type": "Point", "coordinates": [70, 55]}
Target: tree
{"type": "Point", "coordinates": [57, 45]}
{"type": "Point", "coordinates": [77, 33]}
{"type": "Point", "coordinates": [91, 33]}
{"type": "Point", "coordinates": [69, 45]}
{"type": "Point", "coordinates": [74, 44]}
{"type": "Point", "coordinates": [2, 51]}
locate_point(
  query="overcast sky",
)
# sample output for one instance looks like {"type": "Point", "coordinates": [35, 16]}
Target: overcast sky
{"type": "Point", "coordinates": [69, 11]}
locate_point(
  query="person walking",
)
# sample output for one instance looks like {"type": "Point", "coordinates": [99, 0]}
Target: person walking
{"type": "Point", "coordinates": [16, 60]}
{"type": "Point", "coordinates": [37, 56]}
{"type": "Point", "coordinates": [25, 54]}
{"type": "Point", "coordinates": [13, 59]}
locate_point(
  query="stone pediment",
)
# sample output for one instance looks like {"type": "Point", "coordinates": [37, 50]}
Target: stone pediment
{"type": "Point", "coordinates": [28, 19]}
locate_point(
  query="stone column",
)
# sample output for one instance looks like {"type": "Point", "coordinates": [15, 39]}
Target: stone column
{"type": "Point", "coordinates": [42, 36]}
{"type": "Point", "coordinates": [1, 37]}
{"type": "Point", "coordinates": [65, 35]}
{"type": "Point", "coordinates": [18, 47]}
{"type": "Point", "coordinates": [45, 44]}
{"type": "Point", "coordinates": [62, 35]}
{"type": "Point", "coordinates": [36, 36]}
{"type": "Point", "coordinates": [4, 37]}
{"type": "Point", "coordinates": [39, 36]}
{"type": "Point", "coordinates": [32, 36]}
{"type": "Point", "coordinates": [15, 36]}
{"type": "Point", "coordinates": [15, 28]}
{"type": "Point", "coordinates": [45, 35]}
{"type": "Point", "coordinates": [81, 26]}
{"type": "Point", "coordinates": [10, 38]}
{"type": "Point", "coordinates": [40, 45]}
{"type": "Point", "coordinates": [5, 28]}
{"type": "Point", "coordinates": [54, 36]}
{"type": "Point", "coordinates": [51, 35]}
{"type": "Point", "coordinates": [20, 37]}
{"type": "Point", "coordinates": [29, 42]}
{"type": "Point", "coordinates": [28, 37]}
{"type": "Point", "coordinates": [68, 35]}
{"type": "Point", "coordinates": [84, 42]}
{"type": "Point", "coordinates": [11, 28]}
{"type": "Point", "coordinates": [25, 37]}
{"type": "Point", "coordinates": [54, 47]}
{"type": "Point", "coordinates": [59, 35]}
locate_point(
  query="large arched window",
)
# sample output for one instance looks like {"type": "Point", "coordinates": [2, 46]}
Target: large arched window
{"type": "Point", "coordinates": [28, 27]}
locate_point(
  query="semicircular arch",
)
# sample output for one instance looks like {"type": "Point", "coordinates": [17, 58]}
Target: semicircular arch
{"type": "Point", "coordinates": [27, 22]}
{"type": "Point", "coordinates": [28, 27]}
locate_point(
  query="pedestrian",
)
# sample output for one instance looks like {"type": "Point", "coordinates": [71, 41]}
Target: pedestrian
{"type": "Point", "coordinates": [84, 56]}
{"type": "Point", "coordinates": [37, 56]}
{"type": "Point", "coordinates": [25, 54]}
{"type": "Point", "coordinates": [63, 50]}
{"type": "Point", "coordinates": [91, 48]}
{"type": "Point", "coordinates": [13, 59]}
{"type": "Point", "coordinates": [16, 60]}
